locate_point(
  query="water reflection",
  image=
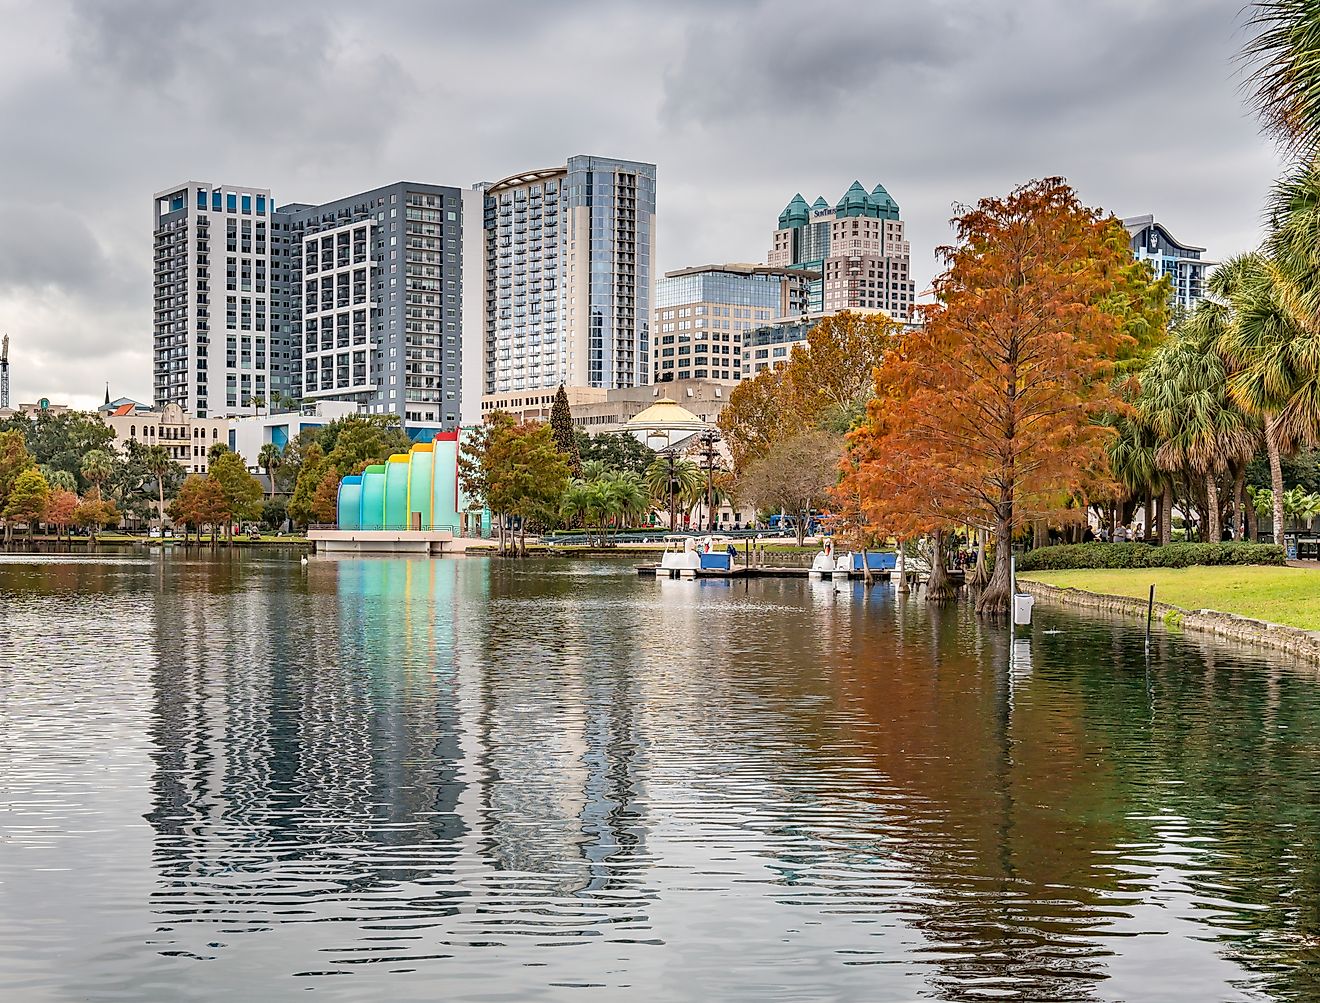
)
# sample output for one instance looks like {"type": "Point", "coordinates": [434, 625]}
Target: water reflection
{"type": "Point", "coordinates": [364, 776]}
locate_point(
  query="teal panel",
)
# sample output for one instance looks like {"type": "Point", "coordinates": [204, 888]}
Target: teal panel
{"type": "Point", "coordinates": [396, 494]}
{"type": "Point", "coordinates": [420, 465]}
{"type": "Point", "coordinates": [446, 482]}
{"type": "Point", "coordinates": [373, 498]}
{"type": "Point", "coordinates": [350, 503]}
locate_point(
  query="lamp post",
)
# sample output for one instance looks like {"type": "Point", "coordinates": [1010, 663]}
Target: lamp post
{"type": "Point", "coordinates": [709, 455]}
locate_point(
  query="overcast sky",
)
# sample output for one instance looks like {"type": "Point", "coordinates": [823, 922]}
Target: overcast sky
{"type": "Point", "coordinates": [740, 103]}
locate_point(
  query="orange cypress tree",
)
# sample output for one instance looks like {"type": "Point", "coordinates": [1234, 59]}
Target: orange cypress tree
{"type": "Point", "coordinates": [986, 415]}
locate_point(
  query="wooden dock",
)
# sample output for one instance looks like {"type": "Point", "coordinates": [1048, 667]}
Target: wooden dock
{"type": "Point", "coordinates": [768, 571]}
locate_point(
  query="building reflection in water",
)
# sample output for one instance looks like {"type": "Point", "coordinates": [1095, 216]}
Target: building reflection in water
{"type": "Point", "coordinates": [445, 754]}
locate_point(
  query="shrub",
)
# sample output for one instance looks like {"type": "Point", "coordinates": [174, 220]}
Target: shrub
{"type": "Point", "coordinates": [1145, 555]}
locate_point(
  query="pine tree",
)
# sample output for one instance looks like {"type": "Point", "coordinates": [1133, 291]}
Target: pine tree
{"type": "Point", "coordinates": [561, 424]}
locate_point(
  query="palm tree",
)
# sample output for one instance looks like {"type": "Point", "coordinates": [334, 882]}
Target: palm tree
{"type": "Point", "coordinates": [1185, 400]}
{"type": "Point", "coordinates": [1275, 361]}
{"type": "Point", "coordinates": [257, 402]}
{"type": "Point", "coordinates": [1285, 71]}
{"type": "Point", "coordinates": [97, 468]}
{"type": "Point", "coordinates": [157, 461]}
{"type": "Point", "coordinates": [270, 459]}
{"type": "Point", "coordinates": [670, 478]}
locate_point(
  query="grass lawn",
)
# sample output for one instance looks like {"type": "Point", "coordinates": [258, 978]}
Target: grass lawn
{"type": "Point", "coordinates": [1280, 595]}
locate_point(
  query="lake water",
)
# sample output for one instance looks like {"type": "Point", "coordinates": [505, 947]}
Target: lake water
{"type": "Point", "coordinates": [238, 778]}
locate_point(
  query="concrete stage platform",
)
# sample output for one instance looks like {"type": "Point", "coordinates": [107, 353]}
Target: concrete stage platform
{"type": "Point", "coordinates": [399, 542]}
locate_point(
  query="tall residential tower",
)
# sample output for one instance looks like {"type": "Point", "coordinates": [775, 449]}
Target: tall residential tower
{"type": "Point", "coordinates": [377, 282]}
{"type": "Point", "coordinates": [1152, 241]}
{"type": "Point", "coordinates": [356, 300]}
{"type": "Point", "coordinates": [216, 342]}
{"type": "Point", "coordinates": [568, 279]}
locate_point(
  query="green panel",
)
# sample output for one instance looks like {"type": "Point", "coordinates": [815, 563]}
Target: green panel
{"type": "Point", "coordinates": [396, 493]}
{"type": "Point", "coordinates": [373, 497]}
{"type": "Point", "coordinates": [446, 482]}
{"type": "Point", "coordinates": [421, 463]}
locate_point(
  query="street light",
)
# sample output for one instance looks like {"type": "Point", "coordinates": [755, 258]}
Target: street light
{"type": "Point", "coordinates": [709, 454]}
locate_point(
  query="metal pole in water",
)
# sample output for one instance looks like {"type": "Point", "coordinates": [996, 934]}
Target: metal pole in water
{"type": "Point", "coordinates": [1150, 612]}
{"type": "Point", "coordinates": [1012, 599]}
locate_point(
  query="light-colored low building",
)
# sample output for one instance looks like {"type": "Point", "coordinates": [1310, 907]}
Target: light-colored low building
{"type": "Point", "coordinates": [534, 405]}
{"type": "Point", "coordinates": [253, 432]}
{"type": "Point", "coordinates": [186, 438]}
{"type": "Point", "coordinates": [703, 398]}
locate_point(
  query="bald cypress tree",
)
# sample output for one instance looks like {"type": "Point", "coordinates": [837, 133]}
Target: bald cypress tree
{"type": "Point", "coordinates": [561, 425]}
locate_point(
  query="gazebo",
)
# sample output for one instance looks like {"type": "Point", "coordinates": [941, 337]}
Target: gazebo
{"type": "Point", "coordinates": [666, 423]}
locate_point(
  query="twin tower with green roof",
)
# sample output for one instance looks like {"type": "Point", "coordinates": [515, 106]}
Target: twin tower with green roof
{"type": "Point", "coordinates": [855, 202]}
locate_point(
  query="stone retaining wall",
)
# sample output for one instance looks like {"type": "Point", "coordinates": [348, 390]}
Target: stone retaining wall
{"type": "Point", "coordinates": [1293, 640]}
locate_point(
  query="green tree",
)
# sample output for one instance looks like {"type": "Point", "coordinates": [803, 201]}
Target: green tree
{"type": "Point", "coordinates": [359, 442]}
{"type": "Point", "coordinates": [59, 479]}
{"type": "Point", "coordinates": [59, 441]}
{"type": "Point", "coordinates": [97, 467]}
{"type": "Point", "coordinates": [27, 499]}
{"type": "Point", "coordinates": [670, 479]}
{"type": "Point", "coordinates": [1284, 55]}
{"type": "Point", "coordinates": [269, 460]}
{"type": "Point", "coordinates": [561, 424]}
{"type": "Point", "coordinates": [1184, 397]}
{"type": "Point", "coordinates": [618, 451]}
{"type": "Point", "coordinates": [311, 470]}
{"type": "Point", "coordinates": [795, 476]}
{"type": "Point", "coordinates": [242, 491]}
{"type": "Point", "coordinates": [14, 461]}
{"type": "Point", "coordinates": [274, 514]}
{"type": "Point", "coordinates": [474, 463]}
{"type": "Point", "coordinates": [156, 460]}
{"type": "Point", "coordinates": [525, 475]}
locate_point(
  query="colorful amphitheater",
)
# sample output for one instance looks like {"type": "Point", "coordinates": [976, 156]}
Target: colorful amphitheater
{"type": "Point", "coordinates": [413, 491]}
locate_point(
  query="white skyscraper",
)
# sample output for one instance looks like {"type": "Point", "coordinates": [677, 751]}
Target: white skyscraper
{"type": "Point", "coordinates": [214, 340]}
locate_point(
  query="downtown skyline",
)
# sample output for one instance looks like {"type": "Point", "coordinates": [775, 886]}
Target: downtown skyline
{"type": "Point", "coordinates": [739, 108]}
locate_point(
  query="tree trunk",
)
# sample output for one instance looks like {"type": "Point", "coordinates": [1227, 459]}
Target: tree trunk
{"type": "Point", "coordinates": [938, 586]}
{"type": "Point", "coordinates": [1166, 514]}
{"type": "Point", "coordinates": [1149, 512]}
{"type": "Point", "coordinates": [1212, 528]}
{"type": "Point", "coordinates": [160, 492]}
{"type": "Point", "coordinates": [995, 599]}
{"type": "Point", "coordinates": [1250, 513]}
{"type": "Point", "coordinates": [1276, 475]}
{"type": "Point", "coordinates": [981, 576]}
{"type": "Point", "coordinates": [1239, 511]}
{"type": "Point", "coordinates": [900, 568]}
{"type": "Point", "coordinates": [867, 579]}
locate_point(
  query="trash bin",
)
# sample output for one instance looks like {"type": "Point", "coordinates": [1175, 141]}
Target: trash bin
{"type": "Point", "coordinates": [1022, 603]}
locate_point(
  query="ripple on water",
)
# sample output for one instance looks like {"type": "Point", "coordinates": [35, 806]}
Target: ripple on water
{"type": "Point", "coordinates": [230, 777]}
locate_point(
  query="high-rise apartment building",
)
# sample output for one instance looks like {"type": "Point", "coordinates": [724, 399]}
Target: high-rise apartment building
{"type": "Point", "coordinates": [702, 316]}
{"type": "Point", "coordinates": [858, 247]}
{"type": "Point", "coordinates": [1152, 241]}
{"type": "Point", "coordinates": [356, 300]}
{"type": "Point", "coordinates": [568, 279]}
{"type": "Point", "coordinates": [376, 305]}
{"type": "Point", "coordinates": [216, 343]}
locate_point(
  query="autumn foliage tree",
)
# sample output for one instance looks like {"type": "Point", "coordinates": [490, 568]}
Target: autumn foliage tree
{"type": "Point", "coordinates": [824, 385]}
{"type": "Point", "coordinates": [987, 414]}
{"type": "Point", "coordinates": [61, 504]}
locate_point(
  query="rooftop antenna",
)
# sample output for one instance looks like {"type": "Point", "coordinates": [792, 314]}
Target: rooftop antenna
{"type": "Point", "coordinates": [4, 372]}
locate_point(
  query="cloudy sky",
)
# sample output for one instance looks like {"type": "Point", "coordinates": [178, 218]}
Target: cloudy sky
{"type": "Point", "coordinates": [741, 103]}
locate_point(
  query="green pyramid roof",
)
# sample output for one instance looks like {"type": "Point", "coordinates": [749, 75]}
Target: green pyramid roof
{"type": "Point", "coordinates": [856, 202]}
{"type": "Point", "coordinates": [794, 214]}
{"type": "Point", "coordinates": [820, 203]}
{"type": "Point", "coordinates": [884, 202]}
